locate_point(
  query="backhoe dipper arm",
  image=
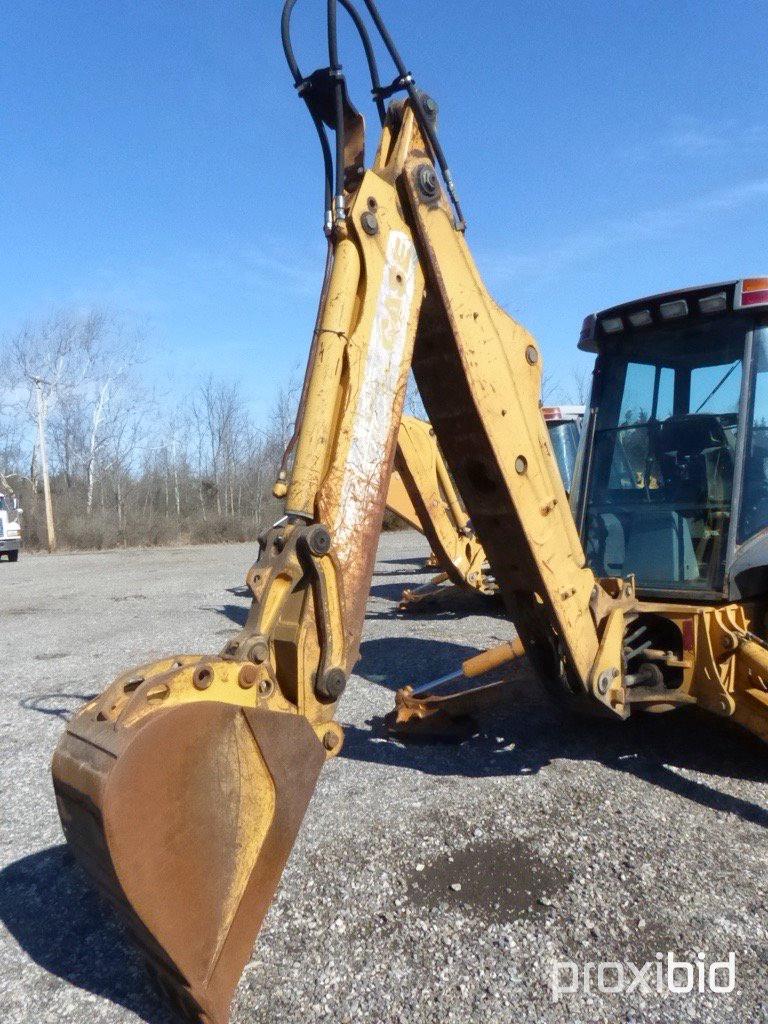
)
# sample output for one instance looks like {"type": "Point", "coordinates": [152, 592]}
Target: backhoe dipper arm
{"type": "Point", "coordinates": [182, 787]}
{"type": "Point", "coordinates": [422, 491]}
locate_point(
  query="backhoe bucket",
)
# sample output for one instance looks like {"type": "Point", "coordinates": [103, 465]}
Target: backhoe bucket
{"type": "Point", "coordinates": [184, 813]}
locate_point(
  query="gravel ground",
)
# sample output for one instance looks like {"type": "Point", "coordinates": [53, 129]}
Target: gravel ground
{"type": "Point", "coordinates": [430, 884]}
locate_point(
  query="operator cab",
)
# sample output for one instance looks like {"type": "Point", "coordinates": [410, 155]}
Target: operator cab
{"type": "Point", "coordinates": [672, 477]}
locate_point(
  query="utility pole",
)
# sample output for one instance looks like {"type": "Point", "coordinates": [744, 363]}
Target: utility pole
{"type": "Point", "coordinates": [40, 400]}
{"type": "Point", "coordinates": [176, 478]}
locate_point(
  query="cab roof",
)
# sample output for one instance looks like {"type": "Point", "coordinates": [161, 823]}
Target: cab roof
{"type": "Point", "coordinates": [669, 309]}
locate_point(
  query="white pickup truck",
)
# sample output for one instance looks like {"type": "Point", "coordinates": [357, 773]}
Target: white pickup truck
{"type": "Point", "coordinates": [10, 528]}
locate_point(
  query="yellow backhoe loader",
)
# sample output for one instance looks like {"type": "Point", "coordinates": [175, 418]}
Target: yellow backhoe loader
{"type": "Point", "coordinates": [423, 494]}
{"type": "Point", "coordinates": [181, 788]}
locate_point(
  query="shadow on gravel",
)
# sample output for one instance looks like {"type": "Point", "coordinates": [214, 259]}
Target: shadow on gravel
{"type": "Point", "coordinates": [58, 705]}
{"type": "Point", "coordinates": [236, 613]}
{"type": "Point", "coordinates": [448, 604]}
{"type": "Point", "coordinates": [414, 570]}
{"type": "Point", "coordinates": [528, 732]}
{"type": "Point", "coordinates": [59, 921]}
{"type": "Point", "coordinates": [393, 663]}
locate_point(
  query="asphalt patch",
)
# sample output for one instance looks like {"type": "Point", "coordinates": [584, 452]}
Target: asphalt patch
{"type": "Point", "coordinates": [496, 880]}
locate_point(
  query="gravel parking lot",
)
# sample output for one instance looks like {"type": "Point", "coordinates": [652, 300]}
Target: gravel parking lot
{"type": "Point", "coordinates": [430, 884]}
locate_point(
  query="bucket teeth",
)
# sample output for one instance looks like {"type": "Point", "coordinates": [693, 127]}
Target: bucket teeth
{"type": "Point", "coordinates": [184, 815]}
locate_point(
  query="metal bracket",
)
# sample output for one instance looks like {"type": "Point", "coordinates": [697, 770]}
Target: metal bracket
{"type": "Point", "coordinates": [294, 555]}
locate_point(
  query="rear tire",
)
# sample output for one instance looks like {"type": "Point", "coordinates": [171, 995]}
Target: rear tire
{"type": "Point", "coordinates": [13, 556]}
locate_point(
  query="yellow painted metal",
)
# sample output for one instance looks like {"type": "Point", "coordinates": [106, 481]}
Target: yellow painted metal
{"type": "Point", "coordinates": [422, 492]}
{"type": "Point", "coordinates": [315, 444]}
{"type": "Point", "coordinates": [399, 502]}
{"type": "Point", "coordinates": [479, 374]}
{"type": "Point", "coordinates": [430, 492]}
{"type": "Point", "coordinates": [606, 679]}
{"type": "Point", "coordinates": [751, 686]}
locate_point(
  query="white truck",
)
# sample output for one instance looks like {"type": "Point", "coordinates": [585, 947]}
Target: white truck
{"type": "Point", "coordinates": [10, 528]}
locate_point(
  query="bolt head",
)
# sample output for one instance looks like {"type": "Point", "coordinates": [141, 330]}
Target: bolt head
{"type": "Point", "coordinates": [257, 650]}
{"type": "Point", "coordinates": [427, 183]}
{"type": "Point", "coordinates": [247, 676]}
{"type": "Point", "coordinates": [318, 540]}
{"type": "Point", "coordinates": [332, 684]}
{"type": "Point", "coordinates": [369, 223]}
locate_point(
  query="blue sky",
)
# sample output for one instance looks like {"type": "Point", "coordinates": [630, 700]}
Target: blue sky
{"type": "Point", "coordinates": [155, 159]}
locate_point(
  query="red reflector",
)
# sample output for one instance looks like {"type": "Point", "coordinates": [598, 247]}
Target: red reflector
{"type": "Point", "coordinates": [754, 298]}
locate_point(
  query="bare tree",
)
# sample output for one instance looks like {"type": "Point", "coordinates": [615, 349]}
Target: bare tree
{"type": "Point", "coordinates": [51, 357]}
{"type": "Point", "coordinates": [120, 466]}
{"type": "Point", "coordinates": [582, 382]}
{"type": "Point", "coordinates": [11, 436]}
{"type": "Point", "coordinates": [580, 385]}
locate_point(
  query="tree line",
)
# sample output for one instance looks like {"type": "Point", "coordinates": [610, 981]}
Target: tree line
{"type": "Point", "coordinates": [96, 459]}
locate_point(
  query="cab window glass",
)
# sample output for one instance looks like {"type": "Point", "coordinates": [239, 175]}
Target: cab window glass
{"type": "Point", "coordinates": [658, 502]}
{"type": "Point", "coordinates": [665, 401]}
{"type": "Point", "coordinates": [716, 389]}
{"type": "Point", "coordinates": [637, 399]}
{"type": "Point", "coordinates": [754, 502]}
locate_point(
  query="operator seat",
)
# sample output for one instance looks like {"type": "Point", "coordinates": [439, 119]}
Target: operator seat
{"type": "Point", "coordinates": [696, 459]}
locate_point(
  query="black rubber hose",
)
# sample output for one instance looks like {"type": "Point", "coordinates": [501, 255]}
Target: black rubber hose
{"type": "Point", "coordinates": [298, 79]}
{"type": "Point", "coordinates": [421, 115]}
{"type": "Point", "coordinates": [338, 98]}
{"type": "Point", "coordinates": [285, 35]}
{"type": "Point", "coordinates": [370, 55]}
{"type": "Point", "coordinates": [335, 181]}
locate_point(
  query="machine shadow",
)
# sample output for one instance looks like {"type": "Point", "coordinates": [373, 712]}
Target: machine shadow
{"type": "Point", "coordinates": [418, 660]}
{"type": "Point", "coordinates": [49, 907]}
{"type": "Point", "coordinates": [236, 613]}
{"type": "Point", "coordinates": [528, 731]}
{"type": "Point", "coordinates": [414, 561]}
{"type": "Point", "coordinates": [417, 572]}
{"type": "Point", "coordinates": [62, 705]}
{"type": "Point", "coordinates": [447, 604]}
